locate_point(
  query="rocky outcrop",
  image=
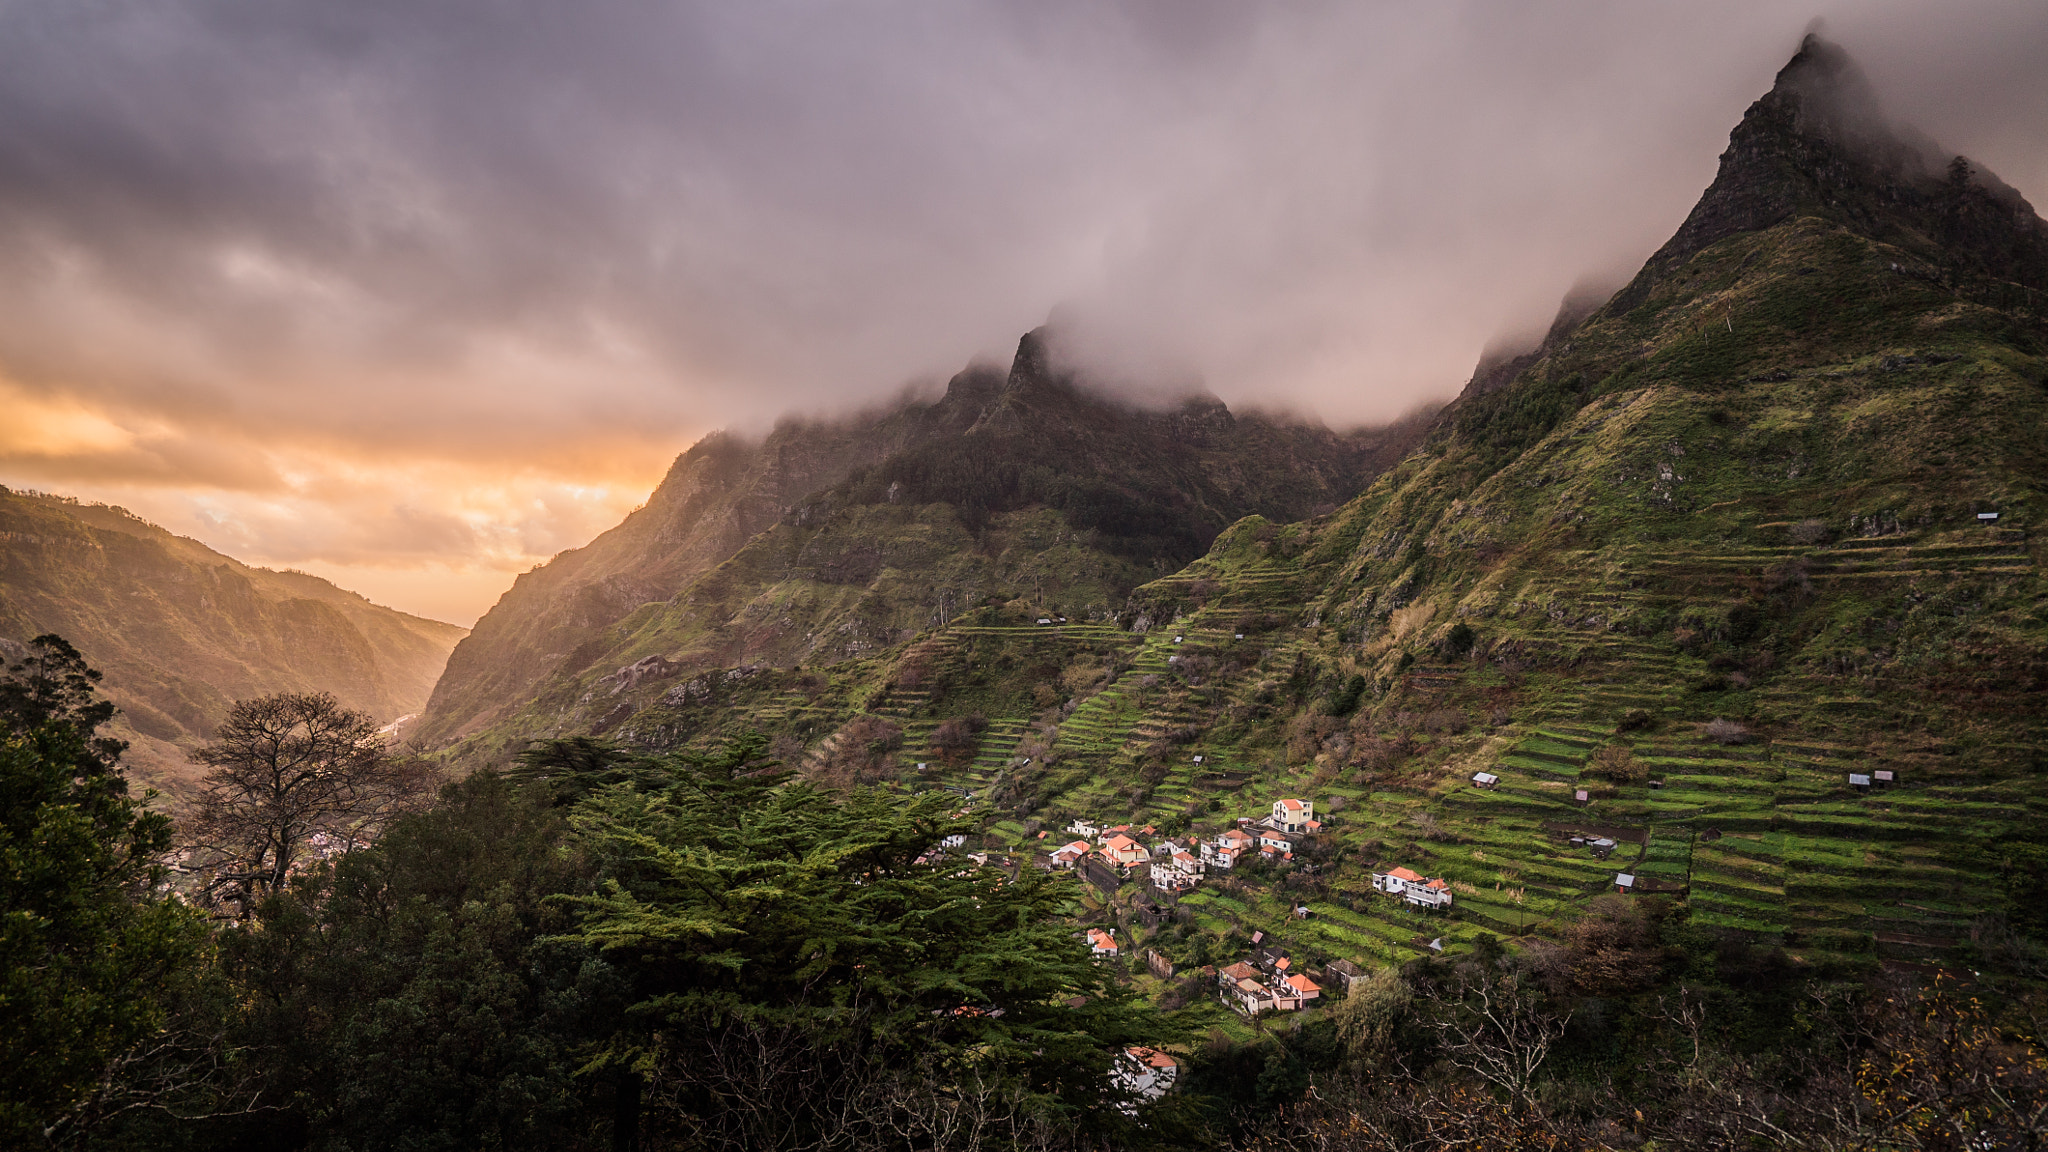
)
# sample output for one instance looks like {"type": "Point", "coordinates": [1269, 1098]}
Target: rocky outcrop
{"type": "Point", "coordinates": [1818, 144]}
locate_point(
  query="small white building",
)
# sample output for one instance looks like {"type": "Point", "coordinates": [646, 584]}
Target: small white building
{"type": "Point", "coordinates": [1102, 943]}
{"type": "Point", "coordinates": [1413, 887]}
{"type": "Point", "coordinates": [1145, 1072]}
{"type": "Point", "coordinates": [1068, 855]}
{"type": "Point", "coordinates": [1485, 779]}
{"type": "Point", "coordinates": [1088, 828]}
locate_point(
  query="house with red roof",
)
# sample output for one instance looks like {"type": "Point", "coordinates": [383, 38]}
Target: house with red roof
{"type": "Point", "coordinates": [1302, 988]}
{"type": "Point", "coordinates": [1068, 855]}
{"type": "Point", "coordinates": [1101, 943]}
{"type": "Point", "coordinates": [1123, 851]}
{"type": "Point", "coordinates": [1145, 1072]}
{"type": "Point", "coordinates": [1413, 887]}
{"type": "Point", "coordinates": [1227, 848]}
{"type": "Point", "coordinates": [1293, 815]}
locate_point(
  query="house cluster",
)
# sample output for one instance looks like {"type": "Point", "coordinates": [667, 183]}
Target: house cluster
{"type": "Point", "coordinates": [1172, 864]}
{"type": "Point", "coordinates": [1266, 982]}
{"type": "Point", "coordinates": [1178, 865]}
{"type": "Point", "coordinates": [1274, 837]}
{"type": "Point", "coordinates": [1426, 892]}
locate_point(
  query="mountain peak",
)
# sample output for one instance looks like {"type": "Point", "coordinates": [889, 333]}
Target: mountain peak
{"type": "Point", "coordinates": [1818, 144]}
{"type": "Point", "coordinates": [1827, 95]}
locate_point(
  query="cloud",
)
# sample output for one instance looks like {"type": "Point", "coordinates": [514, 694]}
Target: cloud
{"type": "Point", "coordinates": [455, 244]}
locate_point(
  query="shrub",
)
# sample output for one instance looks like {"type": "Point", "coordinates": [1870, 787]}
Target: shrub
{"type": "Point", "coordinates": [1727, 732]}
{"type": "Point", "coordinates": [1615, 762]}
{"type": "Point", "coordinates": [1809, 532]}
{"type": "Point", "coordinates": [1458, 641]}
{"type": "Point", "coordinates": [1343, 700]}
{"type": "Point", "coordinates": [959, 733]}
{"type": "Point", "coordinates": [1635, 720]}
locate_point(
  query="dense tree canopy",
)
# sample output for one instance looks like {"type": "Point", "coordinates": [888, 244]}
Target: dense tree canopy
{"type": "Point", "coordinates": [94, 955]}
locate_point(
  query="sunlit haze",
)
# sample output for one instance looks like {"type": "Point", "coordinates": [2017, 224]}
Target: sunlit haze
{"type": "Point", "coordinates": [415, 296]}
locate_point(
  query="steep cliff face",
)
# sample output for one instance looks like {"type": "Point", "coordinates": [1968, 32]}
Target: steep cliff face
{"type": "Point", "coordinates": [181, 631]}
{"type": "Point", "coordinates": [1024, 486]}
{"type": "Point", "coordinates": [1818, 145]}
{"type": "Point", "coordinates": [716, 497]}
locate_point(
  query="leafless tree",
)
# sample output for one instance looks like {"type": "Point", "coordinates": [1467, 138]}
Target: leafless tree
{"type": "Point", "coordinates": [293, 776]}
{"type": "Point", "coordinates": [1495, 1027]}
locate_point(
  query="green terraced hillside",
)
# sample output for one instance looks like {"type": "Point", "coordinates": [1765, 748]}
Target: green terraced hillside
{"type": "Point", "coordinates": [1760, 523]}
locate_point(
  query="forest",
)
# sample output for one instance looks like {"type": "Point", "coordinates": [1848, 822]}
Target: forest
{"type": "Point", "coordinates": [607, 949]}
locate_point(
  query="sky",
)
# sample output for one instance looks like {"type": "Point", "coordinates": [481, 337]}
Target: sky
{"type": "Point", "coordinates": [413, 295]}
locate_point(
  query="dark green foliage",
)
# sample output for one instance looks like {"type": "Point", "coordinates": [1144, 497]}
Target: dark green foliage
{"type": "Point", "coordinates": [94, 956]}
{"type": "Point", "coordinates": [1459, 640]}
{"type": "Point", "coordinates": [53, 685]}
{"type": "Point", "coordinates": [574, 768]}
{"type": "Point", "coordinates": [1344, 697]}
{"type": "Point", "coordinates": [411, 996]}
{"type": "Point", "coordinates": [761, 918]}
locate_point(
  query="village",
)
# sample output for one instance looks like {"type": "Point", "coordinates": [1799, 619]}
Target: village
{"type": "Point", "coordinates": [1267, 979]}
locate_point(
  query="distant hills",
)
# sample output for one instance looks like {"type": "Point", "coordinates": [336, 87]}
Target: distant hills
{"type": "Point", "coordinates": [830, 541]}
{"type": "Point", "coordinates": [181, 631]}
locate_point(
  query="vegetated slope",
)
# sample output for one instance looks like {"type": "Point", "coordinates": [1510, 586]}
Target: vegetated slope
{"type": "Point", "coordinates": [1021, 487]}
{"type": "Point", "coordinates": [1749, 488]}
{"type": "Point", "coordinates": [715, 498]}
{"type": "Point", "coordinates": [181, 631]}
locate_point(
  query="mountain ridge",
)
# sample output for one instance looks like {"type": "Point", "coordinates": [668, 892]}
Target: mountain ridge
{"type": "Point", "coordinates": [1756, 524]}
{"type": "Point", "coordinates": [182, 631]}
{"type": "Point", "coordinates": [954, 502]}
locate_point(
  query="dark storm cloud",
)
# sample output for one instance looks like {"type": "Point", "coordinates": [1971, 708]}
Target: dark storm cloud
{"type": "Point", "coordinates": [451, 239]}
{"type": "Point", "coordinates": [477, 220]}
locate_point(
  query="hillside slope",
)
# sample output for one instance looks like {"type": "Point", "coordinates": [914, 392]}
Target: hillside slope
{"type": "Point", "coordinates": [1711, 553]}
{"type": "Point", "coordinates": [181, 631]}
{"type": "Point", "coordinates": [1021, 487]}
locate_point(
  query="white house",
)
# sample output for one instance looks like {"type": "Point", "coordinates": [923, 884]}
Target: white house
{"type": "Point", "coordinates": [1123, 851]}
{"type": "Point", "coordinates": [1276, 844]}
{"type": "Point", "coordinates": [1102, 944]}
{"type": "Point", "coordinates": [1293, 990]}
{"type": "Point", "coordinates": [1086, 828]}
{"type": "Point", "coordinates": [1145, 1072]}
{"type": "Point", "coordinates": [1293, 815]}
{"type": "Point", "coordinates": [1412, 886]}
{"type": "Point", "coordinates": [1224, 851]}
{"type": "Point", "coordinates": [1485, 779]}
{"type": "Point", "coordinates": [1175, 870]}
{"type": "Point", "coordinates": [1068, 855]}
